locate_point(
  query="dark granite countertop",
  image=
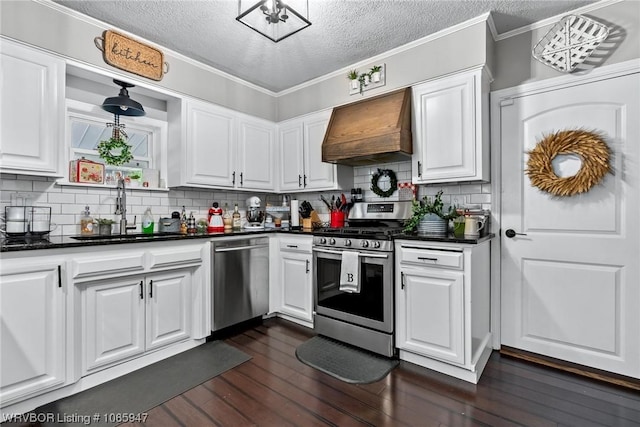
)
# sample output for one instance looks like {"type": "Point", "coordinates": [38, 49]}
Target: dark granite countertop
{"type": "Point", "coordinates": [58, 242]}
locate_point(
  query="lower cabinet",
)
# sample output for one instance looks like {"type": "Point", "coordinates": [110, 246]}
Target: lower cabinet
{"type": "Point", "coordinates": [33, 342]}
{"type": "Point", "coordinates": [431, 313]}
{"type": "Point", "coordinates": [293, 279]}
{"type": "Point", "coordinates": [126, 317]}
{"type": "Point", "coordinates": [443, 306]}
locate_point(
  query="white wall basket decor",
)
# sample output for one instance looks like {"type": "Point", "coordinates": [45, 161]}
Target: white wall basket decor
{"type": "Point", "coordinates": [570, 42]}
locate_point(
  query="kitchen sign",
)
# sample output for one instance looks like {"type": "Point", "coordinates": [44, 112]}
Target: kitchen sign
{"type": "Point", "coordinates": [130, 55]}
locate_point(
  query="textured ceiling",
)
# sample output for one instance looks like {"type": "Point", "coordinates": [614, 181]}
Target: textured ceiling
{"type": "Point", "coordinates": [343, 32]}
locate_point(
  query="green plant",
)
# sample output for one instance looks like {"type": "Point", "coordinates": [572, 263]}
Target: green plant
{"type": "Point", "coordinates": [426, 206]}
{"type": "Point", "coordinates": [135, 175]}
{"type": "Point", "coordinates": [115, 151]}
{"type": "Point", "coordinates": [104, 221]}
{"type": "Point", "coordinates": [353, 75]}
{"type": "Point", "coordinates": [375, 69]}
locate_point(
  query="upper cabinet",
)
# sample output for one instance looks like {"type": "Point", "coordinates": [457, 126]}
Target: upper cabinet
{"type": "Point", "coordinates": [302, 168]}
{"type": "Point", "coordinates": [451, 129]}
{"type": "Point", "coordinates": [32, 110]}
{"type": "Point", "coordinates": [219, 148]}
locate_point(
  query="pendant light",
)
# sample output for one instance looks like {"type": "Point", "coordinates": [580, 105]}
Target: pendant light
{"type": "Point", "coordinates": [123, 105]}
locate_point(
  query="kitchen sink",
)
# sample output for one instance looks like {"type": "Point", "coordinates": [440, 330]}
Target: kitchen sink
{"type": "Point", "coordinates": [132, 236]}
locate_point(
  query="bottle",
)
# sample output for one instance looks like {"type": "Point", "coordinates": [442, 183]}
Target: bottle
{"type": "Point", "coordinates": [227, 219]}
{"type": "Point", "coordinates": [147, 222]}
{"type": "Point", "coordinates": [237, 224]}
{"type": "Point", "coordinates": [183, 221]}
{"type": "Point", "coordinates": [86, 222]}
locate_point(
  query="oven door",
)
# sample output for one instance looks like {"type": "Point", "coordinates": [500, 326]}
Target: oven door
{"type": "Point", "coordinates": [372, 307]}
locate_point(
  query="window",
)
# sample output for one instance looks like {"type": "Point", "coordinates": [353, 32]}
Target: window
{"type": "Point", "coordinates": [87, 126]}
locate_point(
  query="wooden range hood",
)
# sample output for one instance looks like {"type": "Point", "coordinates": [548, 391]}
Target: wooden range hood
{"type": "Point", "coordinates": [374, 130]}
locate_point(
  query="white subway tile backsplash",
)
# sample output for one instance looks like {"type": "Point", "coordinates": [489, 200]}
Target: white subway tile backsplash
{"type": "Point", "coordinates": [16, 185]}
{"type": "Point", "coordinates": [61, 198]}
{"type": "Point", "coordinates": [87, 199]}
{"type": "Point", "coordinates": [471, 188]}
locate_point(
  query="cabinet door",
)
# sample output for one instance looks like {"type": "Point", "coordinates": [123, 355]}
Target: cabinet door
{"type": "Point", "coordinates": [317, 174]}
{"type": "Point", "coordinates": [168, 308]}
{"type": "Point", "coordinates": [33, 339]}
{"type": "Point", "coordinates": [31, 110]}
{"type": "Point", "coordinates": [256, 155]}
{"type": "Point", "coordinates": [113, 328]}
{"type": "Point", "coordinates": [446, 147]}
{"type": "Point", "coordinates": [291, 136]}
{"type": "Point", "coordinates": [296, 284]}
{"type": "Point", "coordinates": [210, 145]}
{"type": "Point", "coordinates": [430, 313]}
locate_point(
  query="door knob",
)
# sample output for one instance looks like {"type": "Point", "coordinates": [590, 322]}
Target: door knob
{"type": "Point", "coordinates": [510, 233]}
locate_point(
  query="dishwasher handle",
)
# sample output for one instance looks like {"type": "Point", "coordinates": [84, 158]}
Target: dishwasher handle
{"type": "Point", "coordinates": [240, 248]}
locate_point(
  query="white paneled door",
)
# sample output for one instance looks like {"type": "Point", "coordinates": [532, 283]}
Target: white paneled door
{"type": "Point", "coordinates": [571, 282]}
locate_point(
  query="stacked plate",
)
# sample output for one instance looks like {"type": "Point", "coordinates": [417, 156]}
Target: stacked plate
{"type": "Point", "coordinates": [433, 227]}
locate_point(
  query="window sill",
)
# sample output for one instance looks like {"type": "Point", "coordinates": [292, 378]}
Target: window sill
{"type": "Point", "coordinates": [128, 187]}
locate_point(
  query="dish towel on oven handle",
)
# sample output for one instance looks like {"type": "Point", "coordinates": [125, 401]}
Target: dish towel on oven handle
{"type": "Point", "coordinates": [350, 272]}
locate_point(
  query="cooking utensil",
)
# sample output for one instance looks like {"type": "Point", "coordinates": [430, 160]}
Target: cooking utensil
{"type": "Point", "coordinates": [343, 200]}
{"type": "Point", "coordinates": [326, 202]}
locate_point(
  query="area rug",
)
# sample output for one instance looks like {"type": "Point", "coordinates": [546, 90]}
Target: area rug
{"type": "Point", "coordinates": [146, 388]}
{"type": "Point", "coordinates": [343, 361]}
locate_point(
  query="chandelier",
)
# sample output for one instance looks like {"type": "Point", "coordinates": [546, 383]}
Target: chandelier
{"type": "Point", "coordinates": [275, 19]}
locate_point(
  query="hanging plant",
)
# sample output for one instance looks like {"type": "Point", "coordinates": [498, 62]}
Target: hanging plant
{"type": "Point", "coordinates": [393, 182]}
{"type": "Point", "coordinates": [589, 146]}
{"type": "Point", "coordinates": [115, 151]}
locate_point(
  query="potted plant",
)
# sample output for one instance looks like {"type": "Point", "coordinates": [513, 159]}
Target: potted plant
{"type": "Point", "coordinates": [375, 73]}
{"type": "Point", "coordinates": [353, 76]}
{"type": "Point", "coordinates": [104, 226]}
{"type": "Point", "coordinates": [429, 217]}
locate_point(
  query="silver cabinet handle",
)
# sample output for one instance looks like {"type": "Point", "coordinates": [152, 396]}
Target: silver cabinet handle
{"type": "Point", "coordinates": [233, 181]}
{"type": "Point", "coordinates": [141, 289]}
{"type": "Point", "coordinates": [427, 258]}
{"type": "Point", "coordinates": [150, 288]}
{"type": "Point", "coordinates": [305, 180]}
{"type": "Point", "coordinates": [299, 180]}
{"type": "Point", "coordinates": [241, 179]}
{"type": "Point", "coordinates": [419, 168]}
{"type": "Point", "coordinates": [307, 267]}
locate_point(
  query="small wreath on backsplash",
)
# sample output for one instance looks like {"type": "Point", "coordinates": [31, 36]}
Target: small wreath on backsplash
{"type": "Point", "coordinates": [108, 149]}
{"type": "Point", "coordinates": [393, 182]}
{"type": "Point", "coordinates": [589, 146]}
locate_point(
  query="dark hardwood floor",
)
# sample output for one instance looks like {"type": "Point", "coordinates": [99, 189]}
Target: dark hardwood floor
{"type": "Point", "coordinates": [275, 389]}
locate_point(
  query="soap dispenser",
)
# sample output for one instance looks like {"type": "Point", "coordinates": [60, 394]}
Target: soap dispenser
{"type": "Point", "coordinates": [147, 222]}
{"type": "Point", "coordinates": [86, 222]}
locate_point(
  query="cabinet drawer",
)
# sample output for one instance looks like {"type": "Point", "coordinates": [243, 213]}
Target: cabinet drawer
{"type": "Point", "coordinates": [107, 264]}
{"type": "Point", "coordinates": [431, 257]}
{"type": "Point", "coordinates": [301, 244]}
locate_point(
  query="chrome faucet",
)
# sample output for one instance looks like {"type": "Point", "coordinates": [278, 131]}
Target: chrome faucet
{"type": "Point", "coordinates": [121, 207]}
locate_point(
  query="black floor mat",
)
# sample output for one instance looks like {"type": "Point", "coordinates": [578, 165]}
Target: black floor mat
{"type": "Point", "coordinates": [145, 388]}
{"type": "Point", "coordinates": [345, 362]}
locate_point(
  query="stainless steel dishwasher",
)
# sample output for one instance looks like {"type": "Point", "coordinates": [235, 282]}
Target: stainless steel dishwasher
{"type": "Point", "coordinates": [240, 280]}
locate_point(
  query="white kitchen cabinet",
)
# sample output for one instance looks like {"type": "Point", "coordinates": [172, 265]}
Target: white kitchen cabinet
{"type": "Point", "coordinates": [32, 110]}
{"type": "Point", "coordinates": [292, 279]}
{"type": "Point", "coordinates": [302, 168]}
{"type": "Point", "coordinates": [220, 148]}
{"type": "Point", "coordinates": [451, 129]}
{"type": "Point", "coordinates": [126, 317]}
{"type": "Point", "coordinates": [137, 300]}
{"type": "Point", "coordinates": [34, 339]}
{"type": "Point", "coordinates": [443, 306]}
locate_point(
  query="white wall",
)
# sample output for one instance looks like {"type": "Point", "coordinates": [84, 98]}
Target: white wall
{"type": "Point", "coordinates": [514, 64]}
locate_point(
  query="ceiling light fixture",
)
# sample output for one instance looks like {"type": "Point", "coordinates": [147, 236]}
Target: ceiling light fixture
{"type": "Point", "coordinates": [122, 105]}
{"type": "Point", "coordinates": [274, 19]}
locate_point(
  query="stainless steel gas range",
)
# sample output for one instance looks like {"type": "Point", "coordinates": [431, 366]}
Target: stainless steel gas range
{"type": "Point", "coordinates": [361, 313]}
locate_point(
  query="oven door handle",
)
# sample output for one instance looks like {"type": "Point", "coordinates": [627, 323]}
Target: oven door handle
{"type": "Point", "coordinates": [328, 251]}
